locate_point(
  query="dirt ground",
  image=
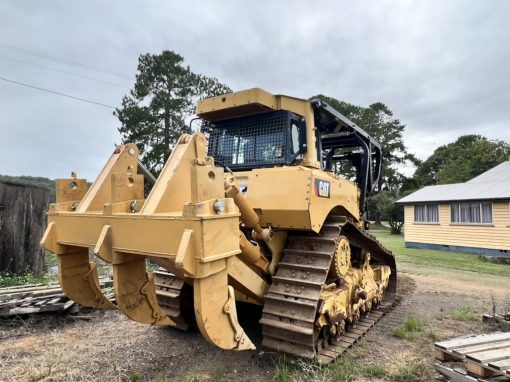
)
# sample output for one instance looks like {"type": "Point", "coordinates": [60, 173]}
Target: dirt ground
{"type": "Point", "coordinates": [107, 346]}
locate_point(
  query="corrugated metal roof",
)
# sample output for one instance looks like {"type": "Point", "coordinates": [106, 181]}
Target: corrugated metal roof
{"type": "Point", "coordinates": [492, 184]}
{"type": "Point", "coordinates": [496, 174]}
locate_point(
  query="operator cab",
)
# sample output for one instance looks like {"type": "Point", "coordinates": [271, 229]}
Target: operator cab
{"type": "Point", "coordinates": [275, 138]}
{"type": "Point", "coordinates": [255, 129]}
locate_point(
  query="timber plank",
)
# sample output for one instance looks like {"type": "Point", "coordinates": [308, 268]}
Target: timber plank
{"type": "Point", "coordinates": [68, 304]}
{"type": "Point", "coordinates": [490, 355]}
{"type": "Point", "coordinates": [11, 303]}
{"type": "Point", "coordinates": [473, 340]}
{"type": "Point", "coordinates": [503, 365]}
{"type": "Point", "coordinates": [453, 375]}
{"type": "Point", "coordinates": [33, 309]}
{"type": "Point", "coordinates": [443, 355]}
{"type": "Point", "coordinates": [478, 369]}
{"type": "Point", "coordinates": [484, 356]}
{"type": "Point", "coordinates": [55, 300]}
{"type": "Point", "coordinates": [478, 348]}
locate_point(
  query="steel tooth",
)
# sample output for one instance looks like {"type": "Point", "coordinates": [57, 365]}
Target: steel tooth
{"type": "Point", "coordinates": [135, 292]}
{"type": "Point", "coordinates": [216, 314]}
{"type": "Point", "coordinates": [79, 280]}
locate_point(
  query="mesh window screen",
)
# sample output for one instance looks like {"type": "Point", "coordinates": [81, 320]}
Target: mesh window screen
{"type": "Point", "coordinates": [249, 142]}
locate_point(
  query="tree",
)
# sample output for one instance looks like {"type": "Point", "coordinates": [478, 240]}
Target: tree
{"type": "Point", "coordinates": [378, 205]}
{"type": "Point", "coordinates": [382, 206]}
{"type": "Point", "coordinates": [396, 218]}
{"type": "Point", "coordinates": [457, 162]}
{"type": "Point", "coordinates": [154, 113]}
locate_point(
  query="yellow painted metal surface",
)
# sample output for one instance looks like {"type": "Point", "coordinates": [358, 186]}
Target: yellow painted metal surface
{"type": "Point", "coordinates": [301, 208]}
{"type": "Point", "coordinates": [186, 222]}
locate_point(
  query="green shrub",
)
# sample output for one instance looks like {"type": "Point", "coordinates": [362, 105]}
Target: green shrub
{"type": "Point", "coordinates": [7, 280]}
{"type": "Point", "coordinates": [413, 324]}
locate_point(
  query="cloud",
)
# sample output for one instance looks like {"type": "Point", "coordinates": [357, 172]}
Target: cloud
{"type": "Point", "coordinates": [441, 66]}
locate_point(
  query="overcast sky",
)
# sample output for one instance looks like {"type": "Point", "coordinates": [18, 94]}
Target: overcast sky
{"type": "Point", "coordinates": [443, 67]}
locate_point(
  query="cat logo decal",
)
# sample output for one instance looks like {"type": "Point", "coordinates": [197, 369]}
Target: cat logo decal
{"type": "Point", "coordinates": [322, 188]}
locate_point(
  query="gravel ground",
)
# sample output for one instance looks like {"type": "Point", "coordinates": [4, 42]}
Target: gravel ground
{"type": "Point", "coordinates": [104, 345]}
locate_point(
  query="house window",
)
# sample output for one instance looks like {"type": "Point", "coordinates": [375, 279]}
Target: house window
{"type": "Point", "coordinates": [471, 212]}
{"type": "Point", "coordinates": [426, 213]}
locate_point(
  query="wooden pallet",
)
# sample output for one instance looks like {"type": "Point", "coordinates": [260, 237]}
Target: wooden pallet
{"type": "Point", "coordinates": [30, 299]}
{"type": "Point", "coordinates": [486, 355]}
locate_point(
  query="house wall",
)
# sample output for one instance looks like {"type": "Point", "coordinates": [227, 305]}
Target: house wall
{"type": "Point", "coordinates": [462, 237]}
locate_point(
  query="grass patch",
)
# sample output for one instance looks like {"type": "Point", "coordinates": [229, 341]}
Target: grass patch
{"type": "Point", "coordinates": [441, 259]}
{"type": "Point", "coordinates": [414, 324]}
{"type": "Point", "coordinates": [413, 329]}
{"type": "Point", "coordinates": [464, 313]}
{"type": "Point", "coordinates": [160, 378]}
{"type": "Point", "coordinates": [378, 227]}
{"type": "Point", "coordinates": [135, 377]}
{"type": "Point", "coordinates": [283, 371]}
{"type": "Point", "coordinates": [299, 371]}
{"type": "Point", "coordinates": [375, 371]}
{"type": "Point", "coordinates": [416, 370]}
{"type": "Point", "coordinates": [191, 377]}
{"type": "Point", "coordinates": [349, 367]}
{"type": "Point", "coordinates": [345, 368]}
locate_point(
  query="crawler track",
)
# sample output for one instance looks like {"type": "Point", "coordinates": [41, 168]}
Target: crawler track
{"type": "Point", "coordinates": [290, 309]}
{"type": "Point", "coordinates": [175, 298]}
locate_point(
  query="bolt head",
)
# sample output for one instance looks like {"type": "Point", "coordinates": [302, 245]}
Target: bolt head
{"type": "Point", "coordinates": [219, 206]}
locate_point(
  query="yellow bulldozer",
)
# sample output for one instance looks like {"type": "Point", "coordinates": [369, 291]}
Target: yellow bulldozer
{"type": "Point", "coordinates": [250, 209]}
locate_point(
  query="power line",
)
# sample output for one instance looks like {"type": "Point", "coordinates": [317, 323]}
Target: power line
{"type": "Point", "coordinates": [57, 93]}
{"type": "Point", "coordinates": [59, 59]}
{"type": "Point", "coordinates": [63, 71]}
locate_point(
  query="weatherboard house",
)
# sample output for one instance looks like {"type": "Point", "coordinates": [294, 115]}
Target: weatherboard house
{"type": "Point", "coordinates": [468, 217]}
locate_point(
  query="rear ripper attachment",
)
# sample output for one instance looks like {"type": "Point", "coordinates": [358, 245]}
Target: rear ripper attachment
{"type": "Point", "coordinates": [186, 225]}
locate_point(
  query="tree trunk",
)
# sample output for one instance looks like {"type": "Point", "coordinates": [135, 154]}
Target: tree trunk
{"type": "Point", "coordinates": [167, 132]}
{"type": "Point", "coordinates": [378, 217]}
{"type": "Point", "coordinates": [22, 224]}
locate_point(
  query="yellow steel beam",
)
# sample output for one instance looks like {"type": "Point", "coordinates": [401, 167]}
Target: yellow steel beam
{"type": "Point", "coordinates": [186, 224]}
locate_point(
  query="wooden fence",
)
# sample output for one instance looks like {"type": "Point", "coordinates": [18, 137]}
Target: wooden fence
{"type": "Point", "coordinates": [22, 224]}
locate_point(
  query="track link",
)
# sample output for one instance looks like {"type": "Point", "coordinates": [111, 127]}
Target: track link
{"type": "Point", "coordinates": [291, 304]}
{"type": "Point", "coordinates": [172, 294]}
